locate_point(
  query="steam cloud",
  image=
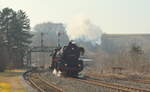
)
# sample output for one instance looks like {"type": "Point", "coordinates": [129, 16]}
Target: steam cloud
{"type": "Point", "coordinates": [81, 28]}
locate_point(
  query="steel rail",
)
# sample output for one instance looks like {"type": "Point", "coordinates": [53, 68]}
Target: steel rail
{"type": "Point", "coordinates": [40, 84]}
{"type": "Point", "coordinates": [137, 81]}
{"type": "Point", "coordinates": [112, 86]}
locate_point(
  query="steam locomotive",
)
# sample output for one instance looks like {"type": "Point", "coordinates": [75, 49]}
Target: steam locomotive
{"type": "Point", "coordinates": [66, 60]}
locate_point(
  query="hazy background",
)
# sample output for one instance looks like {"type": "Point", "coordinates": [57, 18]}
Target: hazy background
{"type": "Point", "coordinates": [112, 16]}
{"type": "Point", "coordinates": [114, 33]}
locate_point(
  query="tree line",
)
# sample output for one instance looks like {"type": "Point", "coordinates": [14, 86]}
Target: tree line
{"type": "Point", "coordinates": [15, 37]}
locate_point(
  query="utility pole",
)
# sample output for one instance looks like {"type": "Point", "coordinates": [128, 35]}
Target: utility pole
{"type": "Point", "coordinates": [42, 45]}
{"type": "Point", "coordinates": [59, 34]}
{"type": "Point", "coordinates": [41, 55]}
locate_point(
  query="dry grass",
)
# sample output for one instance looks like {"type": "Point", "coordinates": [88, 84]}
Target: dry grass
{"type": "Point", "coordinates": [5, 87]}
{"type": "Point", "coordinates": [10, 81]}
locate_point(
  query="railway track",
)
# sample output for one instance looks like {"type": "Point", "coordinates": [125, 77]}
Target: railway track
{"type": "Point", "coordinates": [129, 89]}
{"type": "Point", "coordinates": [43, 86]}
{"type": "Point", "coordinates": [112, 86]}
{"type": "Point", "coordinates": [137, 81]}
{"type": "Point", "coordinates": [40, 84]}
{"type": "Point", "coordinates": [142, 81]}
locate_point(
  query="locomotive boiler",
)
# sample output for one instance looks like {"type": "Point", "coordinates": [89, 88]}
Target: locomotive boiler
{"type": "Point", "coordinates": [66, 60]}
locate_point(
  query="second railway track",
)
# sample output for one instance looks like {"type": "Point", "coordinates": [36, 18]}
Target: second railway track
{"type": "Point", "coordinates": [137, 81]}
{"type": "Point", "coordinates": [112, 86]}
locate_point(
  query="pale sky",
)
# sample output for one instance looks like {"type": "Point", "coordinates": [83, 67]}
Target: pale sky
{"type": "Point", "coordinates": [112, 16]}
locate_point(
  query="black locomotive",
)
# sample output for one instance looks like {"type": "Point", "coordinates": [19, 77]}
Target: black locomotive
{"type": "Point", "coordinates": [65, 60]}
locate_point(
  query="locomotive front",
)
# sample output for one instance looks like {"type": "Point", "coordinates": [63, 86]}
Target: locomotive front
{"type": "Point", "coordinates": [66, 61]}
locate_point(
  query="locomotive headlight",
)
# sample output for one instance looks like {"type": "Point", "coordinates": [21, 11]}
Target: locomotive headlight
{"type": "Point", "coordinates": [66, 65]}
{"type": "Point", "coordinates": [79, 65]}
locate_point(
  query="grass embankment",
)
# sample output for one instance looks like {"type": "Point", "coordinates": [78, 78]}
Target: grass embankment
{"type": "Point", "coordinates": [10, 81]}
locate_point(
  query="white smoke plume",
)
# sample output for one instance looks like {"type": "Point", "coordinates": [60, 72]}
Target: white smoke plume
{"type": "Point", "coordinates": [81, 28]}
